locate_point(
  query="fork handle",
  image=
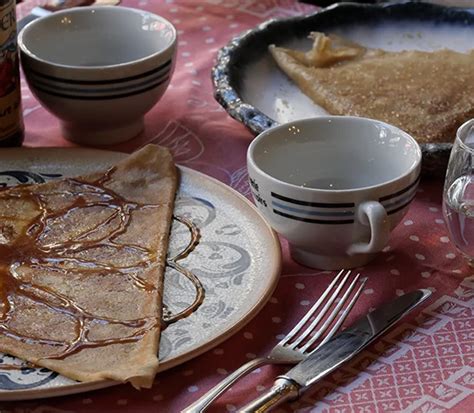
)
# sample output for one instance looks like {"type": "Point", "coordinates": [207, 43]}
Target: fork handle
{"type": "Point", "coordinates": [202, 403]}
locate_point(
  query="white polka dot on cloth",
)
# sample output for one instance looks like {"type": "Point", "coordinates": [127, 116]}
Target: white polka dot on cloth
{"type": "Point", "coordinates": [444, 239]}
{"type": "Point", "coordinates": [394, 271]}
{"type": "Point", "coordinates": [196, 82]}
{"type": "Point", "coordinates": [433, 209]}
{"type": "Point", "coordinates": [233, 25]}
{"type": "Point", "coordinates": [193, 389]}
{"type": "Point", "coordinates": [399, 292]}
{"type": "Point", "coordinates": [276, 320]}
{"type": "Point", "coordinates": [260, 388]}
{"type": "Point", "coordinates": [420, 257]}
{"type": "Point", "coordinates": [408, 222]}
{"type": "Point", "coordinates": [218, 351]}
{"type": "Point", "coordinates": [414, 238]}
{"type": "Point", "coordinates": [185, 54]}
{"type": "Point", "coordinates": [176, 21]}
{"type": "Point", "coordinates": [369, 291]}
{"type": "Point", "coordinates": [174, 10]}
{"type": "Point", "coordinates": [210, 40]}
{"type": "Point", "coordinates": [304, 302]}
{"type": "Point", "coordinates": [182, 43]}
{"type": "Point", "coordinates": [387, 248]}
{"type": "Point", "coordinates": [439, 221]}
{"type": "Point", "coordinates": [222, 372]}
{"type": "Point", "coordinates": [451, 256]}
{"type": "Point", "coordinates": [189, 64]}
{"type": "Point", "coordinates": [230, 408]}
{"type": "Point", "coordinates": [457, 271]}
{"type": "Point", "coordinates": [425, 274]}
{"type": "Point", "coordinates": [280, 336]}
{"type": "Point", "coordinates": [199, 8]}
{"type": "Point", "coordinates": [206, 28]}
{"type": "Point", "coordinates": [299, 286]}
{"type": "Point", "coordinates": [248, 335]}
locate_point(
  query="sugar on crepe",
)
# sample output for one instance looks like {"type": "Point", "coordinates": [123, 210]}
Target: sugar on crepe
{"type": "Point", "coordinates": [81, 269]}
{"type": "Point", "coordinates": [428, 94]}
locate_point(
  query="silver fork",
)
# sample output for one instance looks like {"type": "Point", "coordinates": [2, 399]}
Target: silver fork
{"type": "Point", "coordinates": [299, 342]}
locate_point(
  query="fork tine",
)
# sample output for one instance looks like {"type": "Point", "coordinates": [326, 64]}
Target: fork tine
{"type": "Point", "coordinates": [313, 309]}
{"type": "Point", "coordinates": [321, 314]}
{"type": "Point", "coordinates": [332, 316]}
{"type": "Point", "coordinates": [343, 315]}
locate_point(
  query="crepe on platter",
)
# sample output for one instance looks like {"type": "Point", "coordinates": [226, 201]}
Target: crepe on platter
{"type": "Point", "coordinates": [427, 94]}
{"type": "Point", "coordinates": [81, 269]}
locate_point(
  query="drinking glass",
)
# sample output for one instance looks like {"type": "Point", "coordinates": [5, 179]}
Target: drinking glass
{"type": "Point", "coordinates": [458, 193]}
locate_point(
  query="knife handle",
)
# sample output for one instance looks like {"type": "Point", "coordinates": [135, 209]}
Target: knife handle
{"type": "Point", "coordinates": [282, 390]}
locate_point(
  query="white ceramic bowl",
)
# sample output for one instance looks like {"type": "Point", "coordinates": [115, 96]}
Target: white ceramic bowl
{"type": "Point", "coordinates": [98, 69]}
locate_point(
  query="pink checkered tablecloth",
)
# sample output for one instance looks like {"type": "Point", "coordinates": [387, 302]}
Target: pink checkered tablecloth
{"type": "Point", "coordinates": [425, 364]}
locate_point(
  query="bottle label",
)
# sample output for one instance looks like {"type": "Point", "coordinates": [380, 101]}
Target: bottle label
{"type": "Point", "coordinates": [10, 92]}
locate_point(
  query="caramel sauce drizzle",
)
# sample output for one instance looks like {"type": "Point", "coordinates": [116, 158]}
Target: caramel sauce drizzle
{"type": "Point", "coordinates": [31, 250]}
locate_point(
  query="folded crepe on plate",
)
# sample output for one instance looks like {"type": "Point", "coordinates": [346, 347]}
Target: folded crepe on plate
{"type": "Point", "coordinates": [81, 269]}
{"type": "Point", "coordinates": [427, 94]}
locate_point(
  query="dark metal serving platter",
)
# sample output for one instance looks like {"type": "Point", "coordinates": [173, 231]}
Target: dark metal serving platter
{"type": "Point", "coordinates": [251, 88]}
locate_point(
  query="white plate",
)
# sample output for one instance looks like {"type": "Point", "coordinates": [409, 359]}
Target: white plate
{"type": "Point", "coordinates": [237, 260]}
{"type": "Point", "coordinates": [253, 90]}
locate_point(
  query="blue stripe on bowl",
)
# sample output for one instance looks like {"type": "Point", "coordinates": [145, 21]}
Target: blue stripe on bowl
{"type": "Point", "coordinates": [85, 90]}
{"type": "Point", "coordinates": [314, 221]}
{"type": "Point", "coordinates": [315, 213]}
{"type": "Point", "coordinates": [100, 82]}
{"type": "Point", "coordinates": [103, 97]}
{"type": "Point", "coordinates": [313, 204]}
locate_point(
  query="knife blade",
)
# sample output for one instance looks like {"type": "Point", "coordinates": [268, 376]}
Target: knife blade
{"type": "Point", "coordinates": [336, 351]}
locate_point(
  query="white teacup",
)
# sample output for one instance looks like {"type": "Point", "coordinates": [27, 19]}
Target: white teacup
{"type": "Point", "coordinates": [334, 186]}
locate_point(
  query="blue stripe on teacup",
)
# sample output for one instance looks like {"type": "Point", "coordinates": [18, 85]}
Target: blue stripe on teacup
{"type": "Point", "coordinates": [401, 191]}
{"type": "Point", "coordinates": [163, 66]}
{"type": "Point", "coordinates": [400, 199]}
{"type": "Point", "coordinates": [314, 204]}
{"type": "Point", "coordinates": [132, 92]}
{"type": "Point", "coordinates": [314, 221]}
{"type": "Point", "coordinates": [160, 76]}
{"type": "Point", "coordinates": [312, 212]}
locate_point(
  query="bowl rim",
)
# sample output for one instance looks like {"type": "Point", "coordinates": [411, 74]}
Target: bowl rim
{"type": "Point", "coordinates": [87, 9]}
{"type": "Point", "coordinates": [411, 174]}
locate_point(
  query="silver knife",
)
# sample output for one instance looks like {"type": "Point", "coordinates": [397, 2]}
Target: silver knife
{"type": "Point", "coordinates": [336, 351]}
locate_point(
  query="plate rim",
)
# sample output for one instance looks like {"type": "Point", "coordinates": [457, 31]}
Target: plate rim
{"type": "Point", "coordinates": [244, 319]}
{"type": "Point", "coordinates": [227, 95]}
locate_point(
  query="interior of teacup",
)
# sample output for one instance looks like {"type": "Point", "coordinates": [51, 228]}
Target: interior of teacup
{"type": "Point", "coordinates": [335, 153]}
{"type": "Point", "coordinates": [97, 36]}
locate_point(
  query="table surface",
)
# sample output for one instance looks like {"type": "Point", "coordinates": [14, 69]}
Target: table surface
{"type": "Point", "coordinates": [425, 364]}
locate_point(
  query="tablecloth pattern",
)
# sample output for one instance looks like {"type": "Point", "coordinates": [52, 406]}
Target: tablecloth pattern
{"type": "Point", "coordinates": [425, 364]}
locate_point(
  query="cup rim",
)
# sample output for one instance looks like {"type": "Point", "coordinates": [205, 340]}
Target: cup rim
{"type": "Point", "coordinates": [82, 10]}
{"type": "Point", "coordinates": [264, 134]}
{"type": "Point", "coordinates": [461, 131]}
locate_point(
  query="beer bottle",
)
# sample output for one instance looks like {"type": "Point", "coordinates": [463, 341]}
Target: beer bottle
{"type": "Point", "coordinates": [11, 117]}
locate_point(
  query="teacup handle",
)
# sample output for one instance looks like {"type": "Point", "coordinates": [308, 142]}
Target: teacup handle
{"type": "Point", "coordinates": [372, 213]}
